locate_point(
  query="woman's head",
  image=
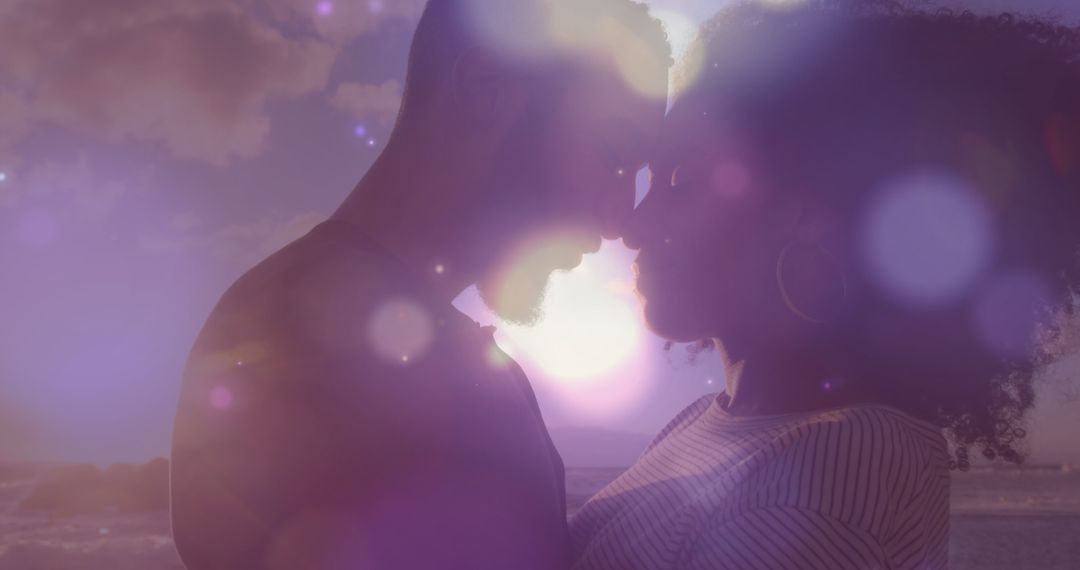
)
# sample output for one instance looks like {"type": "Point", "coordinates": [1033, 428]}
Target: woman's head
{"type": "Point", "coordinates": [895, 192]}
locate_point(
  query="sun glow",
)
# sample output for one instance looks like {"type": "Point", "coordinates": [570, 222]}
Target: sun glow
{"type": "Point", "coordinates": [586, 330]}
{"type": "Point", "coordinates": [590, 348]}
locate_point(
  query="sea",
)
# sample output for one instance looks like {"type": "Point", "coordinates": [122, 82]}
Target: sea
{"type": "Point", "coordinates": [1002, 518]}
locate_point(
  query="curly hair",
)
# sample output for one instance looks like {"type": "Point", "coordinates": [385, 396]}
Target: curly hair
{"type": "Point", "coordinates": [837, 97]}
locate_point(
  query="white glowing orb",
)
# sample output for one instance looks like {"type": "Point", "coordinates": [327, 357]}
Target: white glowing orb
{"type": "Point", "coordinates": [590, 351]}
{"type": "Point", "coordinates": [928, 238]}
{"type": "Point", "coordinates": [3, 176]}
{"type": "Point", "coordinates": [400, 330]}
{"type": "Point", "coordinates": [221, 398]}
{"type": "Point", "coordinates": [587, 329]}
{"type": "Point", "coordinates": [37, 229]}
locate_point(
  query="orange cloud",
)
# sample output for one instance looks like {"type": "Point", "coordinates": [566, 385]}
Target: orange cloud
{"type": "Point", "coordinates": [193, 76]}
{"type": "Point", "coordinates": [379, 103]}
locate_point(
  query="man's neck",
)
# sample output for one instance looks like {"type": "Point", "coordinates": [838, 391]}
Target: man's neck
{"type": "Point", "coordinates": [394, 206]}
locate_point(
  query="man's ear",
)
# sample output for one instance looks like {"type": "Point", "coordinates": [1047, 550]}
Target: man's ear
{"type": "Point", "coordinates": [485, 93]}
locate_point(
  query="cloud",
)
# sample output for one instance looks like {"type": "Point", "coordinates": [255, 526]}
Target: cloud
{"type": "Point", "coordinates": [72, 189]}
{"type": "Point", "coordinates": [194, 76]}
{"type": "Point", "coordinates": [256, 240]}
{"type": "Point", "coordinates": [242, 243]}
{"type": "Point", "coordinates": [379, 103]}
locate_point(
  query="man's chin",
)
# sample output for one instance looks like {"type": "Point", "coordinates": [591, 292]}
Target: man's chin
{"type": "Point", "coordinates": [519, 303]}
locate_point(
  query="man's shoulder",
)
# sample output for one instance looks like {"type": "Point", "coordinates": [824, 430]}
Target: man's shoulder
{"type": "Point", "coordinates": [322, 273]}
{"type": "Point", "coordinates": [322, 261]}
{"type": "Point", "coordinates": [317, 294]}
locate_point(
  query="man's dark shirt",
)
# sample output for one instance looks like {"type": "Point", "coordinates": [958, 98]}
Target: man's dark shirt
{"type": "Point", "coordinates": [303, 440]}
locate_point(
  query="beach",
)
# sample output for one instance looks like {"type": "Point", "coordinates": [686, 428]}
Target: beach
{"type": "Point", "coordinates": [1003, 519]}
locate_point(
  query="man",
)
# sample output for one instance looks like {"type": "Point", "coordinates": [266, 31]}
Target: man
{"type": "Point", "coordinates": [336, 411]}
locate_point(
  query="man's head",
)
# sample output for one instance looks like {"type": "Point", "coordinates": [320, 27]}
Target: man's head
{"type": "Point", "coordinates": [551, 107]}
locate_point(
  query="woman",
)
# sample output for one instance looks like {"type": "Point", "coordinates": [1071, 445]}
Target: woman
{"type": "Point", "coordinates": [874, 214]}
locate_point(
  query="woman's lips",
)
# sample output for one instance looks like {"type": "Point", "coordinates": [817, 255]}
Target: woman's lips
{"type": "Point", "coordinates": [650, 263]}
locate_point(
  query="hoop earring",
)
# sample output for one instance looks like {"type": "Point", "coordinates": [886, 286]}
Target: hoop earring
{"type": "Point", "coordinates": [786, 296]}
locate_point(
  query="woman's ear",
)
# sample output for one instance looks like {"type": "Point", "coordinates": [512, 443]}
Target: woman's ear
{"type": "Point", "coordinates": [485, 94]}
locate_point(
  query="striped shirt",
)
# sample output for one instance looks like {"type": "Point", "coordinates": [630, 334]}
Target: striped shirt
{"type": "Point", "coordinates": [860, 487]}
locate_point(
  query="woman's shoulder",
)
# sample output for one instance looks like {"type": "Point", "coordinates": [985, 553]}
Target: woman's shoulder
{"type": "Point", "coordinates": [686, 417]}
{"type": "Point", "coordinates": [876, 424]}
{"type": "Point", "coordinates": [879, 449]}
{"type": "Point", "coordinates": [859, 465]}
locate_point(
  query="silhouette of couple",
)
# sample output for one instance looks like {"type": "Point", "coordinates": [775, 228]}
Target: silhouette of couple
{"type": "Point", "coordinates": [868, 210]}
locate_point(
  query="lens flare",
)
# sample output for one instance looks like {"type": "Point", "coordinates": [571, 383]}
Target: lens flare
{"type": "Point", "coordinates": [517, 288]}
{"type": "Point", "coordinates": [610, 39]}
{"type": "Point", "coordinates": [400, 331]}
{"type": "Point", "coordinates": [928, 238]}
{"type": "Point", "coordinates": [731, 179]}
{"type": "Point", "coordinates": [570, 32]}
{"type": "Point", "coordinates": [324, 8]}
{"type": "Point", "coordinates": [584, 333]}
{"type": "Point", "coordinates": [221, 398]}
{"type": "Point", "coordinates": [589, 349]}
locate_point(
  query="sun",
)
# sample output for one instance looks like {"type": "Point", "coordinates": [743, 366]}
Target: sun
{"type": "Point", "coordinates": [590, 325]}
{"type": "Point", "coordinates": [590, 354]}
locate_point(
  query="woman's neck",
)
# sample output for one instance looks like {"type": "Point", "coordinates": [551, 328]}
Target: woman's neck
{"type": "Point", "coordinates": [775, 384]}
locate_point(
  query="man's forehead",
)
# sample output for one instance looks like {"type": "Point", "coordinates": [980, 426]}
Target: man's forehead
{"type": "Point", "coordinates": [607, 96]}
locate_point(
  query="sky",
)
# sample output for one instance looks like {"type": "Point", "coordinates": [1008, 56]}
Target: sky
{"type": "Point", "coordinates": [151, 151]}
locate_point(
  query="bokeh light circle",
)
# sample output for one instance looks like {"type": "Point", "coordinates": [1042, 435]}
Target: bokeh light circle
{"type": "Point", "coordinates": [221, 398]}
{"type": "Point", "coordinates": [400, 331]}
{"type": "Point", "coordinates": [927, 238]}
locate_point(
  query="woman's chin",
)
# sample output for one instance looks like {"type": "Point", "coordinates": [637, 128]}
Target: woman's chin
{"type": "Point", "coordinates": [672, 323]}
